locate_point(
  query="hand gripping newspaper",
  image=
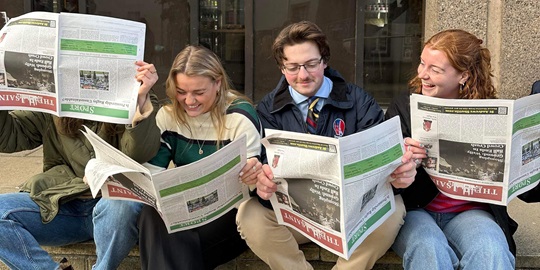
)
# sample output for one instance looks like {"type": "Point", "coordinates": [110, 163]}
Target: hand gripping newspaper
{"type": "Point", "coordinates": [335, 191]}
{"type": "Point", "coordinates": [186, 197]}
{"type": "Point", "coordinates": [71, 65]}
{"type": "Point", "coordinates": [484, 150]}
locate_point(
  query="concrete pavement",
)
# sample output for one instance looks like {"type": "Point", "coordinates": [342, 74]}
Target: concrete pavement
{"type": "Point", "coordinates": [16, 168]}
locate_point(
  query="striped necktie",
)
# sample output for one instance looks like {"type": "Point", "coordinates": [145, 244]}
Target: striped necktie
{"type": "Point", "coordinates": [312, 115]}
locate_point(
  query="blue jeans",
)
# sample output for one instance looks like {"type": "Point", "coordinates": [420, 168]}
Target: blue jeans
{"type": "Point", "coordinates": [115, 231]}
{"type": "Point", "coordinates": [467, 240]}
{"type": "Point", "coordinates": [22, 232]}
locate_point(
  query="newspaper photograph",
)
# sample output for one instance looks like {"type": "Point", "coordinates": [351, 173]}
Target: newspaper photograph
{"type": "Point", "coordinates": [479, 150]}
{"type": "Point", "coordinates": [335, 191]}
{"type": "Point", "coordinates": [186, 197]}
{"type": "Point", "coordinates": [70, 64]}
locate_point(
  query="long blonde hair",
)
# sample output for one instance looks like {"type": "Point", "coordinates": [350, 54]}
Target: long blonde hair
{"type": "Point", "coordinates": [200, 61]}
{"type": "Point", "coordinates": [465, 53]}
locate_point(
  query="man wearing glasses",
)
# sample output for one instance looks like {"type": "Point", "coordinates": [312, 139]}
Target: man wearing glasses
{"type": "Point", "coordinates": [313, 98]}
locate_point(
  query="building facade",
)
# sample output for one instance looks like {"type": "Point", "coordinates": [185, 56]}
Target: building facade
{"type": "Point", "coordinates": [374, 43]}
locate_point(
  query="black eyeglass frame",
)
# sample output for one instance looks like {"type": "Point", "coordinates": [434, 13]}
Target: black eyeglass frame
{"type": "Point", "coordinates": [305, 65]}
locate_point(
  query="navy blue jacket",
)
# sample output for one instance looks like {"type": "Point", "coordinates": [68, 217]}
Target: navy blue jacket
{"type": "Point", "coordinates": [349, 108]}
{"type": "Point", "coordinates": [422, 191]}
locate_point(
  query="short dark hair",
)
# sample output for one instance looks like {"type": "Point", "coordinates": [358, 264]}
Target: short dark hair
{"type": "Point", "coordinates": [300, 32]}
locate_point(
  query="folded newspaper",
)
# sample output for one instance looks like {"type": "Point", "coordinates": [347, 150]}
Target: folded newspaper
{"type": "Point", "coordinates": [335, 191]}
{"type": "Point", "coordinates": [484, 150]}
{"type": "Point", "coordinates": [186, 197]}
{"type": "Point", "coordinates": [73, 65]}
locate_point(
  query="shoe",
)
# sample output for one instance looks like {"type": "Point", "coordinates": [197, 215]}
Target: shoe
{"type": "Point", "coordinates": [65, 265]}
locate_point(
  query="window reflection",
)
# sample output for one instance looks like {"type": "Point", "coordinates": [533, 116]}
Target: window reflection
{"type": "Point", "coordinates": [222, 30]}
{"type": "Point", "coordinates": [167, 29]}
{"type": "Point", "coordinates": [70, 6]}
{"type": "Point", "coordinates": [42, 5]}
{"type": "Point", "coordinates": [392, 42]}
{"type": "Point", "coordinates": [377, 48]}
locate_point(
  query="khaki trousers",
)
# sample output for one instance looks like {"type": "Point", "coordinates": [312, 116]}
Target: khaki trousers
{"type": "Point", "coordinates": [277, 245]}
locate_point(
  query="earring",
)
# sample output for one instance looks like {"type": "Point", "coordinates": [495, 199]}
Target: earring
{"type": "Point", "coordinates": [461, 86]}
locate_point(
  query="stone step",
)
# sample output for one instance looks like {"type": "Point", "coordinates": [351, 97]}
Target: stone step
{"type": "Point", "coordinates": [82, 256]}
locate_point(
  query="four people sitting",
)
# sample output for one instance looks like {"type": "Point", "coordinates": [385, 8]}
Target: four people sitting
{"type": "Point", "coordinates": [204, 114]}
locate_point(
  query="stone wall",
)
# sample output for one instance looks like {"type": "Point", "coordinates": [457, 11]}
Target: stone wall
{"type": "Point", "coordinates": [509, 28]}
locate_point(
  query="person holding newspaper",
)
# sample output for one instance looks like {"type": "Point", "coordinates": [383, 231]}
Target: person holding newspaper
{"type": "Point", "coordinates": [302, 54]}
{"type": "Point", "coordinates": [532, 195]}
{"type": "Point", "coordinates": [441, 232]}
{"type": "Point", "coordinates": [56, 207]}
{"type": "Point", "coordinates": [204, 115]}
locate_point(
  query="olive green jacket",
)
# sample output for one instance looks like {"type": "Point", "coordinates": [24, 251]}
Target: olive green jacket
{"type": "Point", "coordinates": [65, 158]}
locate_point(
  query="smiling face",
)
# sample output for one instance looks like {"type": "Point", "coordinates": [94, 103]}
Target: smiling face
{"type": "Point", "coordinates": [196, 94]}
{"type": "Point", "coordinates": [439, 77]}
{"type": "Point", "coordinates": [305, 83]}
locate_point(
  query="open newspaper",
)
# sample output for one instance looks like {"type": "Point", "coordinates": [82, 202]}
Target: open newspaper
{"type": "Point", "coordinates": [186, 197]}
{"type": "Point", "coordinates": [70, 64]}
{"type": "Point", "coordinates": [335, 191]}
{"type": "Point", "coordinates": [484, 150]}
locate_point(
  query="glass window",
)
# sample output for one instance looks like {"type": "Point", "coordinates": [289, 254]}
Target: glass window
{"type": "Point", "coordinates": [70, 6]}
{"type": "Point", "coordinates": [270, 16]}
{"type": "Point", "coordinates": [222, 29]}
{"type": "Point", "coordinates": [392, 41]}
{"type": "Point", "coordinates": [42, 5]}
{"type": "Point", "coordinates": [167, 24]}
{"type": "Point", "coordinates": [167, 28]}
{"type": "Point", "coordinates": [387, 42]}
{"type": "Point", "coordinates": [374, 43]}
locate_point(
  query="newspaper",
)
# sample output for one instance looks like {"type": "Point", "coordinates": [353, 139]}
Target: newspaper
{"type": "Point", "coordinates": [186, 197]}
{"type": "Point", "coordinates": [335, 191]}
{"type": "Point", "coordinates": [484, 150]}
{"type": "Point", "coordinates": [73, 65]}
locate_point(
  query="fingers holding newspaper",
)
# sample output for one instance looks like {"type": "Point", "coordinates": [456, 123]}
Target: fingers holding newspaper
{"type": "Point", "coordinates": [403, 176]}
{"type": "Point", "coordinates": [265, 183]}
{"type": "Point", "coordinates": [147, 76]}
{"type": "Point", "coordinates": [419, 151]}
{"type": "Point", "coordinates": [251, 170]}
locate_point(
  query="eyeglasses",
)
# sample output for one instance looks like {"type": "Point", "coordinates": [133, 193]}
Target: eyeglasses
{"type": "Point", "coordinates": [310, 66]}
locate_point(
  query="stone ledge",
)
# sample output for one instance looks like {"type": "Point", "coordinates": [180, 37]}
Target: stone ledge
{"type": "Point", "coordinates": [82, 257]}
